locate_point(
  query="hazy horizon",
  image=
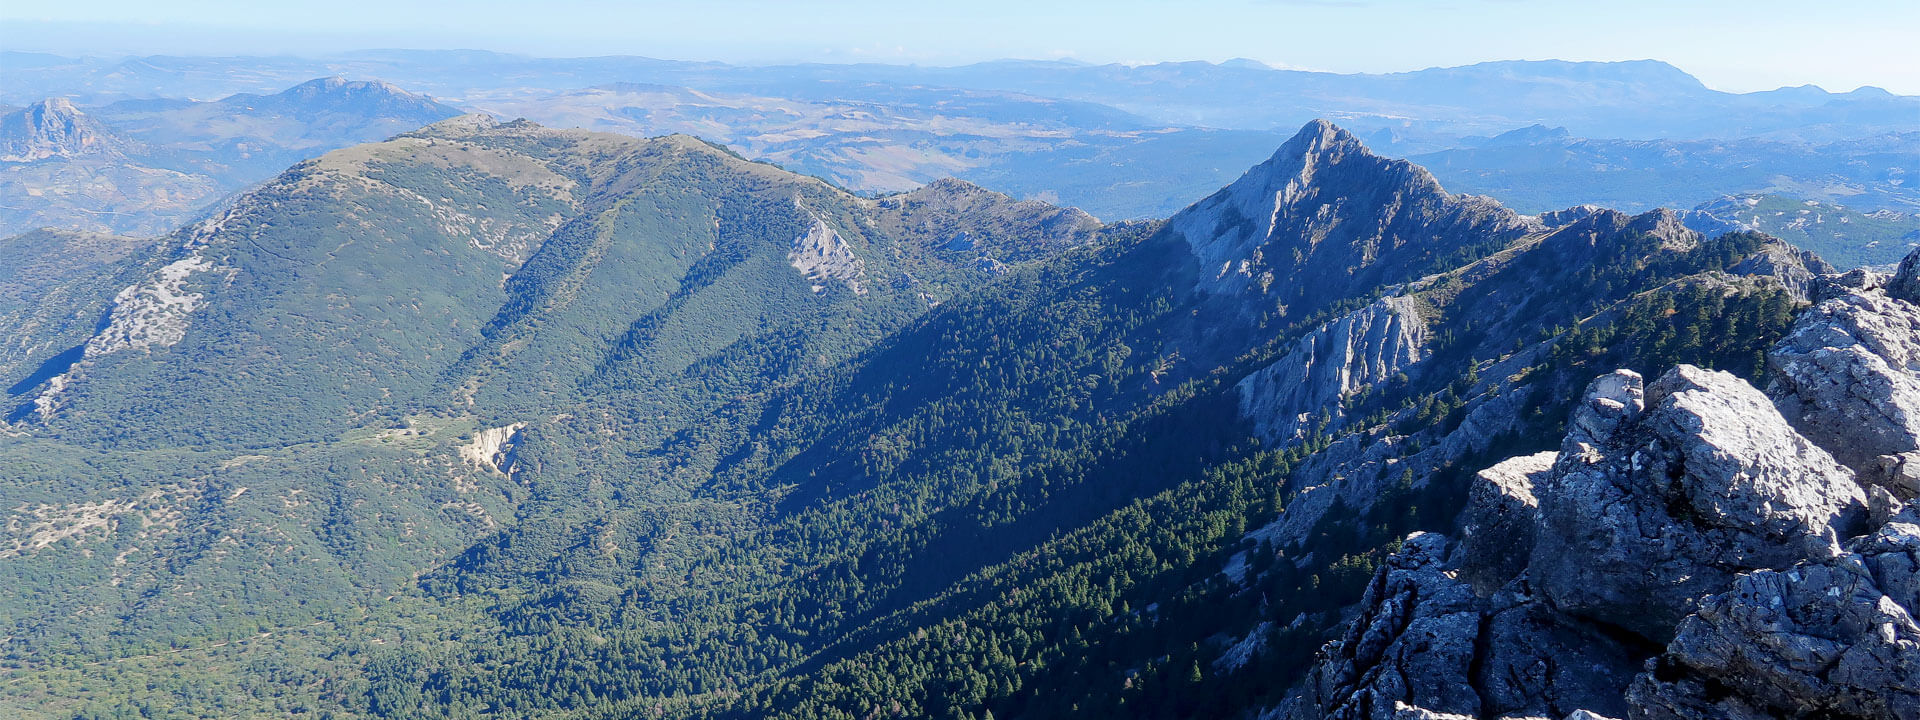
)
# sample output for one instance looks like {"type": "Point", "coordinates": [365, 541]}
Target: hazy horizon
{"type": "Point", "coordinates": [538, 56]}
{"type": "Point", "coordinates": [1755, 46]}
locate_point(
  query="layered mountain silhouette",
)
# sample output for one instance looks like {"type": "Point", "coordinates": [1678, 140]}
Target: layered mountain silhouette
{"type": "Point", "coordinates": [520, 421]}
{"type": "Point", "coordinates": [148, 166]}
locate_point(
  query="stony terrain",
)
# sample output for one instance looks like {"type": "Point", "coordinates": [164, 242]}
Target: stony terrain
{"type": "Point", "coordinates": [1697, 548]}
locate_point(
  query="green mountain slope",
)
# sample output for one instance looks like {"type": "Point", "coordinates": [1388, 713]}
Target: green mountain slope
{"type": "Point", "coordinates": [55, 286]}
{"type": "Point", "coordinates": [718, 440]}
{"type": "Point", "coordinates": [1847, 238]}
{"type": "Point", "coordinates": [469, 271]}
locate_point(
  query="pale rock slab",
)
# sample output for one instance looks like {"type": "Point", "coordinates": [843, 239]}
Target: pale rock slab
{"type": "Point", "coordinates": [1648, 511]}
{"type": "Point", "coordinates": [822, 256]}
{"type": "Point", "coordinates": [1286, 399]}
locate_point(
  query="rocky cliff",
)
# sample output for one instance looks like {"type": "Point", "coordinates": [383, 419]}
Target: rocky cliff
{"type": "Point", "coordinates": [1301, 392]}
{"type": "Point", "coordinates": [53, 128]}
{"type": "Point", "coordinates": [1696, 548]}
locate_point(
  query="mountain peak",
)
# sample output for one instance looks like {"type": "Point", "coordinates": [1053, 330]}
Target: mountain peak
{"type": "Point", "coordinates": [1325, 215]}
{"type": "Point", "coordinates": [1320, 135]}
{"type": "Point", "coordinates": [54, 128]}
{"type": "Point", "coordinates": [1321, 144]}
{"type": "Point", "coordinates": [458, 126]}
{"type": "Point", "coordinates": [338, 94]}
{"type": "Point", "coordinates": [1535, 134]}
{"type": "Point", "coordinates": [953, 195]}
{"type": "Point", "coordinates": [336, 83]}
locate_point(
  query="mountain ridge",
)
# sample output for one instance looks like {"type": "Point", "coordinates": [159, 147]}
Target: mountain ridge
{"type": "Point", "coordinates": [736, 443]}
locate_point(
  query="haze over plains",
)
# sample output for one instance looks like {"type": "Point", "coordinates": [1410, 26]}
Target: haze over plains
{"type": "Point", "coordinates": [1719, 41]}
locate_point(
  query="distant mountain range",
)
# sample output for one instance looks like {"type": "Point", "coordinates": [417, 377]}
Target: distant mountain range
{"type": "Point", "coordinates": [1538, 168]}
{"type": "Point", "coordinates": [1120, 142]}
{"type": "Point", "coordinates": [145, 166]}
{"type": "Point", "coordinates": [1639, 100]}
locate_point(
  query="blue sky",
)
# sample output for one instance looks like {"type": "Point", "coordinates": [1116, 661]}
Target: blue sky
{"type": "Point", "coordinates": [1738, 46]}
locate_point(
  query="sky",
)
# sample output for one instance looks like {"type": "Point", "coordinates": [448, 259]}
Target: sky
{"type": "Point", "coordinates": [1737, 46]}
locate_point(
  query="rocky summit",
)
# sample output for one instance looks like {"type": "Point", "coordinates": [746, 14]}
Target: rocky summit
{"type": "Point", "coordinates": [1696, 548]}
{"type": "Point", "coordinates": [53, 128]}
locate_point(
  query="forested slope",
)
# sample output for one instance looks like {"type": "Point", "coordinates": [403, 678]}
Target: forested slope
{"type": "Point", "coordinates": [552, 423]}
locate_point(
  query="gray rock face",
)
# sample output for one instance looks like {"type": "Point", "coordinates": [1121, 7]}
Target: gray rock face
{"type": "Point", "coordinates": [1412, 644]}
{"type": "Point", "coordinates": [1537, 663]}
{"type": "Point", "coordinates": [1835, 638]}
{"type": "Point", "coordinates": [1610, 401]}
{"type": "Point", "coordinates": [1425, 646]}
{"type": "Point", "coordinates": [1696, 550]}
{"type": "Point", "coordinates": [1905, 284]}
{"type": "Point", "coordinates": [1797, 270]}
{"type": "Point", "coordinates": [1899, 474]}
{"type": "Point", "coordinates": [1647, 511]}
{"type": "Point", "coordinates": [1501, 515]}
{"type": "Point", "coordinates": [1848, 375]}
{"type": "Point", "coordinates": [1557, 218]}
{"type": "Point", "coordinates": [1285, 400]}
{"type": "Point", "coordinates": [1686, 512]}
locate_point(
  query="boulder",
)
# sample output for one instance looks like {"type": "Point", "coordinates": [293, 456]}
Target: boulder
{"type": "Point", "coordinates": [1832, 638]}
{"type": "Point", "coordinates": [1650, 509]}
{"type": "Point", "coordinates": [1498, 527]}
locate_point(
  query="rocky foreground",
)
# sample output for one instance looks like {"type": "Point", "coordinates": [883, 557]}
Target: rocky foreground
{"type": "Point", "coordinates": [1697, 548]}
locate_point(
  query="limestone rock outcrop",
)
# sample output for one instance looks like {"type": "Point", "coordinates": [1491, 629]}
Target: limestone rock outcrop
{"type": "Point", "coordinates": [1650, 508]}
{"type": "Point", "coordinates": [1424, 642]}
{"type": "Point", "coordinates": [1501, 517]}
{"type": "Point", "coordinates": [1288, 399]}
{"type": "Point", "coordinates": [1848, 373]}
{"type": "Point", "coordinates": [492, 448]}
{"type": "Point", "coordinates": [1375, 667]}
{"type": "Point", "coordinates": [1695, 549]}
{"type": "Point", "coordinates": [822, 256]}
{"type": "Point", "coordinates": [1835, 638]}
